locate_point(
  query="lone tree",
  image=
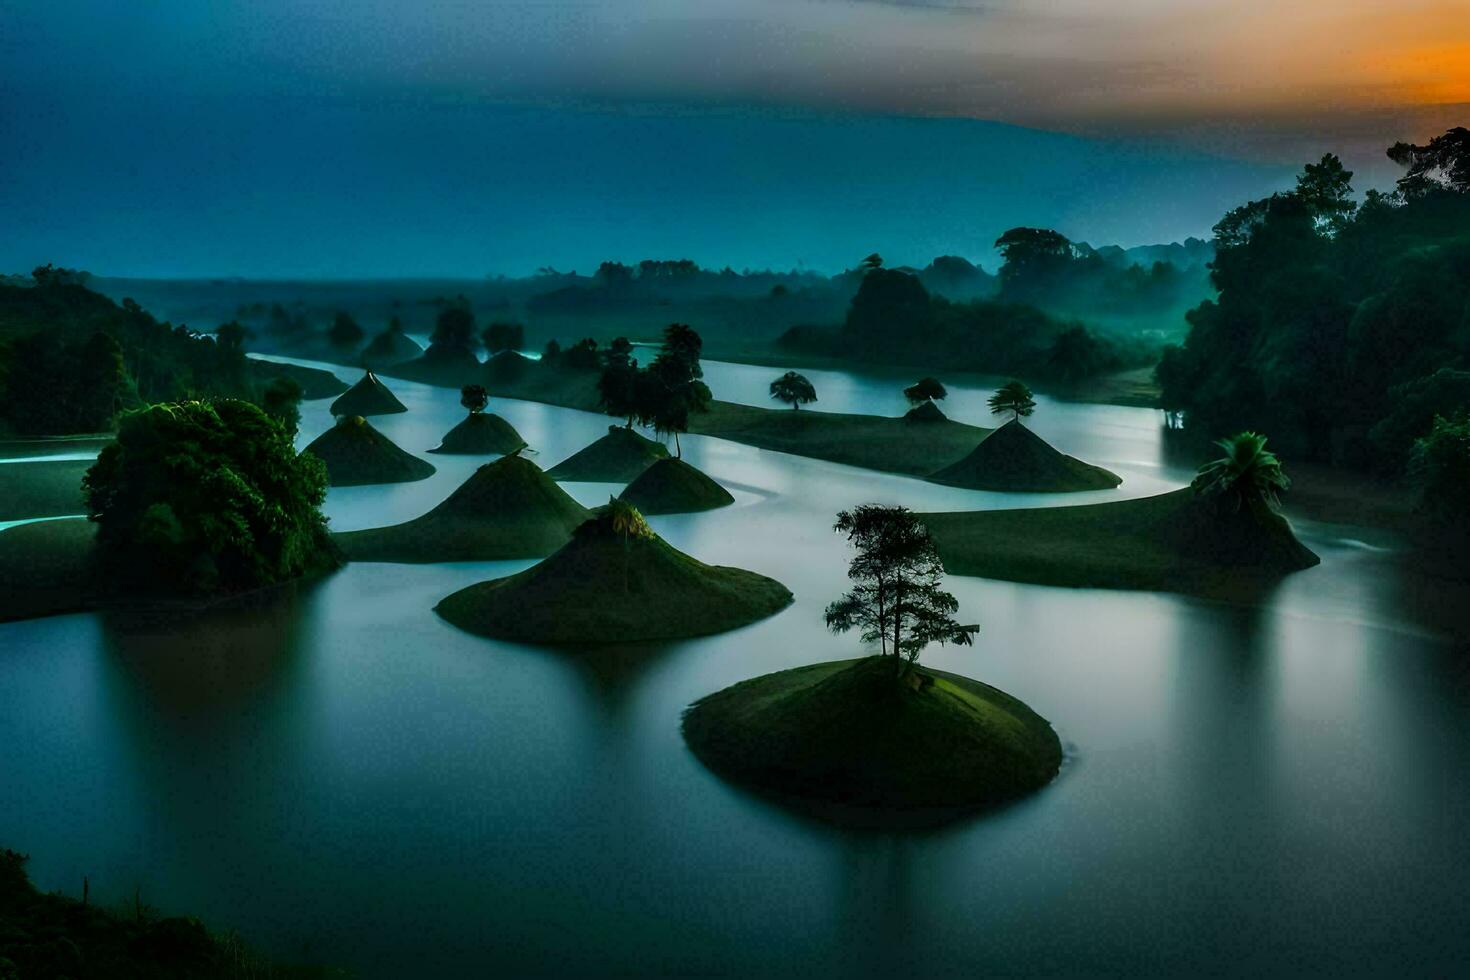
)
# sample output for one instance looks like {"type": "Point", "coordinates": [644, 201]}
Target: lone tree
{"type": "Point", "coordinates": [670, 389]}
{"type": "Point", "coordinates": [619, 388]}
{"type": "Point", "coordinates": [474, 398]}
{"type": "Point", "coordinates": [1013, 397]}
{"type": "Point", "coordinates": [925, 390]}
{"type": "Point", "coordinates": [793, 389]}
{"type": "Point", "coordinates": [1248, 474]}
{"type": "Point", "coordinates": [454, 331]}
{"type": "Point", "coordinates": [206, 498]}
{"type": "Point", "coordinates": [897, 599]}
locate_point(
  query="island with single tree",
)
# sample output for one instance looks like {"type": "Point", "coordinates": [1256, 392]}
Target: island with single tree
{"type": "Point", "coordinates": [356, 454]}
{"type": "Point", "coordinates": [616, 581]}
{"type": "Point", "coordinates": [506, 509]}
{"type": "Point", "coordinates": [480, 433]}
{"type": "Point", "coordinates": [879, 738]}
{"type": "Point", "coordinates": [1223, 531]}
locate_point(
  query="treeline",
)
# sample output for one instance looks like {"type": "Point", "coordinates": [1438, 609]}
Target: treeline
{"type": "Point", "coordinates": [895, 319]}
{"type": "Point", "coordinates": [72, 359]}
{"type": "Point", "coordinates": [1045, 269]}
{"type": "Point", "coordinates": [1342, 329]}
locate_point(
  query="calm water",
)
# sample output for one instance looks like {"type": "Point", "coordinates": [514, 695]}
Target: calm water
{"type": "Point", "coordinates": [342, 775]}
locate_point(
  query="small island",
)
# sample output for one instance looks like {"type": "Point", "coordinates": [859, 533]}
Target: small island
{"type": "Point", "coordinates": [879, 739]}
{"type": "Point", "coordinates": [618, 457]}
{"type": "Point", "coordinates": [507, 509]}
{"type": "Point", "coordinates": [356, 454]}
{"type": "Point", "coordinates": [1223, 531]}
{"type": "Point", "coordinates": [672, 486]}
{"type": "Point", "coordinates": [480, 433]}
{"type": "Point", "coordinates": [615, 582]}
{"type": "Point", "coordinates": [368, 397]}
{"type": "Point", "coordinates": [1014, 459]}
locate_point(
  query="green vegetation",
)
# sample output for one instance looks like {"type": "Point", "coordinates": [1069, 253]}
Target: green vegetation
{"type": "Point", "coordinates": [368, 397]}
{"type": "Point", "coordinates": [46, 568]}
{"type": "Point", "coordinates": [1015, 459]}
{"type": "Point", "coordinates": [1013, 397]}
{"type": "Point", "coordinates": [345, 333]}
{"type": "Point", "coordinates": [356, 454]}
{"type": "Point", "coordinates": [615, 582]}
{"type": "Point", "coordinates": [896, 600]}
{"type": "Point", "coordinates": [618, 457]}
{"type": "Point", "coordinates": [925, 391]}
{"type": "Point", "coordinates": [1334, 319]}
{"type": "Point", "coordinates": [480, 434]}
{"type": "Point", "coordinates": [390, 348]}
{"type": "Point", "coordinates": [506, 509]}
{"type": "Point", "coordinates": [846, 735]}
{"type": "Point", "coordinates": [793, 389]}
{"type": "Point", "coordinates": [55, 936]}
{"type": "Point", "coordinates": [1441, 467]}
{"type": "Point", "coordinates": [1248, 475]}
{"type": "Point", "coordinates": [207, 498]}
{"type": "Point", "coordinates": [43, 488]}
{"type": "Point", "coordinates": [672, 486]}
{"type": "Point", "coordinates": [925, 412]}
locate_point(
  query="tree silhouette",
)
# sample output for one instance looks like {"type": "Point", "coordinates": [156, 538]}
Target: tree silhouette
{"type": "Point", "coordinates": [1013, 397]}
{"type": "Point", "coordinates": [925, 390]}
{"type": "Point", "coordinates": [344, 331]}
{"type": "Point", "coordinates": [502, 335]}
{"type": "Point", "coordinates": [474, 397]}
{"type": "Point", "coordinates": [897, 599]}
{"type": "Point", "coordinates": [793, 389]}
{"type": "Point", "coordinates": [1442, 162]}
{"type": "Point", "coordinates": [1247, 474]}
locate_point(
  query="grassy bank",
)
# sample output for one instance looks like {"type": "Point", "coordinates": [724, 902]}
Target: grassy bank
{"type": "Point", "coordinates": [45, 568]}
{"type": "Point", "coordinates": [45, 488]}
{"type": "Point", "coordinates": [1166, 543]}
{"type": "Point", "coordinates": [851, 735]}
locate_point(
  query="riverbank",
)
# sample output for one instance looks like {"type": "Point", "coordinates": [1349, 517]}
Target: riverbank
{"type": "Point", "coordinates": [42, 488]}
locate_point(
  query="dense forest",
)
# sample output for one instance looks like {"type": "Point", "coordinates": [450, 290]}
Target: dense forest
{"type": "Point", "coordinates": [1341, 328]}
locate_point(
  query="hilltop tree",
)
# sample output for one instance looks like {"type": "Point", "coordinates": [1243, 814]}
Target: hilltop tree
{"type": "Point", "coordinates": [206, 498]}
{"type": "Point", "coordinates": [1033, 258]}
{"type": "Point", "coordinates": [897, 599]}
{"type": "Point", "coordinates": [1442, 162]}
{"type": "Point", "coordinates": [872, 263]}
{"type": "Point", "coordinates": [618, 351]}
{"type": "Point", "coordinates": [475, 398]}
{"type": "Point", "coordinates": [1013, 397]}
{"type": "Point", "coordinates": [619, 390]}
{"type": "Point", "coordinates": [1326, 189]}
{"type": "Point", "coordinates": [925, 390]}
{"type": "Point", "coordinates": [581, 356]}
{"type": "Point", "coordinates": [671, 388]}
{"type": "Point", "coordinates": [1248, 473]}
{"type": "Point", "coordinates": [345, 331]}
{"type": "Point", "coordinates": [502, 335]}
{"type": "Point", "coordinates": [454, 331]}
{"type": "Point", "coordinates": [793, 389]}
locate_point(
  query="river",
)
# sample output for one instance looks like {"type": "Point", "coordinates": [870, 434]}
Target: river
{"type": "Point", "coordinates": [342, 776]}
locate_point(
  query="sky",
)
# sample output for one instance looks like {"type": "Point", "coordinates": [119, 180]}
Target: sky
{"type": "Point", "coordinates": [327, 137]}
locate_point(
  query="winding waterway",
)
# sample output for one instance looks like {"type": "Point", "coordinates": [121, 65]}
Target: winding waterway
{"type": "Point", "coordinates": [343, 776]}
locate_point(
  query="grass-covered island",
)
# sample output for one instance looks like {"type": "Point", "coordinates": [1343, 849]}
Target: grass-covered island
{"type": "Point", "coordinates": [618, 457]}
{"type": "Point", "coordinates": [506, 509]}
{"type": "Point", "coordinates": [1224, 530]}
{"type": "Point", "coordinates": [480, 433]}
{"type": "Point", "coordinates": [368, 397]}
{"type": "Point", "coordinates": [1015, 459]}
{"type": "Point", "coordinates": [356, 454]}
{"type": "Point", "coordinates": [615, 582]}
{"type": "Point", "coordinates": [879, 737]}
{"type": "Point", "coordinates": [672, 486]}
{"type": "Point", "coordinates": [852, 734]}
{"type": "Point", "coordinates": [49, 935]}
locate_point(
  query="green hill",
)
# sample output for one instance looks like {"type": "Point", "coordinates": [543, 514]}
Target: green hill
{"type": "Point", "coordinates": [1015, 459]}
{"type": "Point", "coordinates": [1172, 542]}
{"type": "Point", "coordinates": [358, 454]}
{"type": "Point", "coordinates": [481, 434]}
{"type": "Point", "coordinates": [368, 397]}
{"type": "Point", "coordinates": [507, 509]}
{"type": "Point", "coordinates": [852, 735]}
{"type": "Point", "coordinates": [602, 588]}
{"type": "Point", "coordinates": [617, 457]}
{"type": "Point", "coordinates": [672, 486]}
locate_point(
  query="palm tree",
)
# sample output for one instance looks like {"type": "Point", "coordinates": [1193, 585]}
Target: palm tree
{"type": "Point", "coordinates": [1248, 472]}
{"type": "Point", "coordinates": [1014, 397]}
{"type": "Point", "coordinates": [793, 389]}
{"type": "Point", "coordinates": [627, 522]}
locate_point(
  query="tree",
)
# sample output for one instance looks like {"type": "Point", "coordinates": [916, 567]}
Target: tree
{"type": "Point", "coordinates": [207, 498]}
{"type": "Point", "coordinates": [670, 388]}
{"type": "Point", "coordinates": [925, 390]}
{"type": "Point", "coordinates": [1326, 189]}
{"type": "Point", "coordinates": [1033, 257]}
{"type": "Point", "coordinates": [231, 336]}
{"type": "Point", "coordinates": [1247, 474]}
{"type": "Point", "coordinates": [551, 353]}
{"type": "Point", "coordinates": [897, 599]}
{"type": "Point", "coordinates": [502, 335]}
{"type": "Point", "coordinates": [454, 331]}
{"type": "Point", "coordinates": [281, 400]}
{"type": "Point", "coordinates": [344, 331]}
{"type": "Point", "coordinates": [625, 521]}
{"type": "Point", "coordinates": [793, 389]}
{"type": "Point", "coordinates": [474, 398]}
{"type": "Point", "coordinates": [618, 389]}
{"type": "Point", "coordinates": [1442, 162]}
{"type": "Point", "coordinates": [1441, 464]}
{"type": "Point", "coordinates": [1013, 397]}
{"type": "Point", "coordinates": [581, 356]}
{"type": "Point", "coordinates": [619, 351]}
{"type": "Point", "coordinates": [872, 263]}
